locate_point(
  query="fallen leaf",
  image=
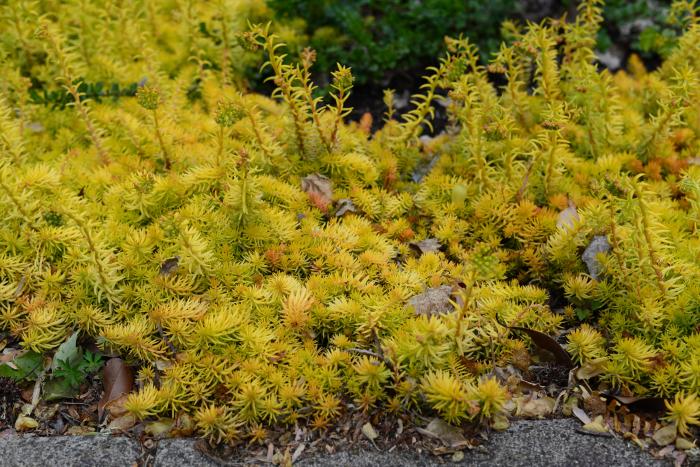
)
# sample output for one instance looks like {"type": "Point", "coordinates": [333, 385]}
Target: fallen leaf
{"type": "Point", "coordinates": [118, 380]}
{"type": "Point", "coordinates": [116, 407]}
{"type": "Point", "coordinates": [36, 392]}
{"type": "Point", "coordinates": [666, 451]}
{"type": "Point", "coordinates": [568, 217]}
{"type": "Point", "coordinates": [24, 423]}
{"type": "Point", "coordinates": [298, 451]}
{"type": "Point", "coordinates": [184, 426]}
{"type": "Point", "coordinates": [591, 368]}
{"type": "Point", "coordinates": [684, 444]}
{"type": "Point", "coordinates": [665, 435]}
{"type": "Point", "coordinates": [9, 354]}
{"type": "Point", "coordinates": [450, 436]}
{"type": "Point", "coordinates": [345, 205]}
{"type": "Point", "coordinates": [648, 404]}
{"type": "Point", "coordinates": [429, 245]}
{"type": "Point", "coordinates": [123, 423]}
{"type": "Point", "coordinates": [500, 422]}
{"type": "Point", "coordinates": [159, 428]}
{"type": "Point", "coordinates": [163, 364]}
{"type": "Point", "coordinates": [581, 415]}
{"type": "Point", "coordinates": [169, 266]}
{"type": "Point", "coordinates": [434, 301]}
{"type": "Point", "coordinates": [594, 404]}
{"type": "Point", "coordinates": [596, 426]}
{"type": "Point", "coordinates": [535, 408]}
{"type": "Point", "coordinates": [22, 365]}
{"type": "Point", "coordinates": [80, 430]}
{"type": "Point", "coordinates": [319, 188]}
{"type": "Point", "coordinates": [58, 388]}
{"type": "Point", "coordinates": [369, 431]}
{"type": "Point", "coordinates": [545, 342]}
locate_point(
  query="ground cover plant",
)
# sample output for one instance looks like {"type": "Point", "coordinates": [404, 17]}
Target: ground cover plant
{"type": "Point", "coordinates": [259, 263]}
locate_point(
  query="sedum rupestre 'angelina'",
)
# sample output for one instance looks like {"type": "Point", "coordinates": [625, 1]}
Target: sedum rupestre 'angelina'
{"type": "Point", "coordinates": [172, 227]}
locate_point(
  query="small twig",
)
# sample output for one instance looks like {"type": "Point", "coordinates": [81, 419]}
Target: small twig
{"type": "Point", "coordinates": [367, 352]}
{"type": "Point", "coordinates": [170, 345]}
{"type": "Point", "coordinates": [594, 433]}
{"type": "Point", "coordinates": [526, 178]}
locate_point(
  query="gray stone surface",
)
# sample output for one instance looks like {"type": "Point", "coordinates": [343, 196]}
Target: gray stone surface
{"type": "Point", "coordinates": [68, 451]}
{"type": "Point", "coordinates": [180, 452]}
{"type": "Point", "coordinates": [527, 443]}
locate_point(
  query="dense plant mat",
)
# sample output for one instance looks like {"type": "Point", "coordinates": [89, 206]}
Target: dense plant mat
{"type": "Point", "coordinates": [261, 263]}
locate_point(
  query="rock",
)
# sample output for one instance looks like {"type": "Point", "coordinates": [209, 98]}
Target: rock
{"type": "Point", "coordinates": [526, 443]}
{"type": "Point", "coordinates": [180, 452]}
{"type": "Point", "coordinates": [613, 58]}
{"type": "Point", "coordinates": [69, 451]}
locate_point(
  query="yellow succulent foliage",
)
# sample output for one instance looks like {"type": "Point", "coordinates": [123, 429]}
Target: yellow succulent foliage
{"type": "Point", "coordinates": [255, 256]}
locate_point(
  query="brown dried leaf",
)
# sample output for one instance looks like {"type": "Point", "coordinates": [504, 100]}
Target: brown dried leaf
{"type": "Point", "coordinates": [122, 423]}
{"type": "Point", "coordinates": [594, 404]}
{"type": "Point", "coordinates": [450, 436]}
{"type": "Point", "coordinates": [297, 452]}
{"type": "Point", "coordinates": [80, 430]}
{"type": "Point", "coordinates": [116, 407]}
{"type": "Point", "coordinates": [581, 415]}
{"type": "Point", "coordinates": [24, 423]}
{"type": "Point", "coordinates": [535, 408]}
{"type": "Point", "coordinates": [666, 435]}
{"type": "Point", "coordinates": [645, 404]}
{"type": "Point", "coordinates": [684, 444]}
{"type": "Point", "coordinates": [429, 245]}
{"type": "Point", "coordinates": [10, 354]}
{"type": "Point", "coordinates": [591, 368]}
{"type": "Point", "coordinates": [169, 266]}
{"type": "Point", "coordinates": [319, 188]}
{"type": "Point", "coordinates": [369, 431]}
{"type": "Point", "coordinates": [159, 428]}
{"type": "Point", "coordinates": [500, 422]}
{"type": "Point", "coordinates": [434, 301]}
{"type": "Point", "coordinates": [345, 205]}
{"type": "Point", "coordinates": [184, 426]}
{"type": "Point", "coordinates": [596, 426]}
{"type": "Point", "coordinates": [545, 342]}
{"type": "Point", "coordinates": [118, 381]}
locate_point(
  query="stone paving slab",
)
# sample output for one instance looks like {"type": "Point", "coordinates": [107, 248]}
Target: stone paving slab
{"type": "Point", "coordinates": [68, 451]}
{"type": "Point", "coordinates": [527, 443]}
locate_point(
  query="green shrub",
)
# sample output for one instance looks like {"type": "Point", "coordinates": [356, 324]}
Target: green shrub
{"type": "Point", "coordinates": [392, 36]}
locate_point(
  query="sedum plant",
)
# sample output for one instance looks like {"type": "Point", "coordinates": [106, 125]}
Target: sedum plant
{"type": "Point", "coordinates": [253, 256]}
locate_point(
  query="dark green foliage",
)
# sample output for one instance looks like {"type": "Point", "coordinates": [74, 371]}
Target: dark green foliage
{"type": "Point", "coordinates": [60, 98]}
{"type": "Point", "coordinates": [374, 37]}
